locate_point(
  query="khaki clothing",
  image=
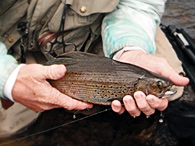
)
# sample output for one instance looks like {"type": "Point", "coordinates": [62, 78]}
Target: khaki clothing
{"type": "Point", "coordinates": [82, 26]}
{"type": "Point", "coordinates": [15, 119]}
{"type": "Point", "coordinates": [165, 50]}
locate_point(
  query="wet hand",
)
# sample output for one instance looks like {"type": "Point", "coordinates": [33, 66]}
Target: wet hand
{"type": "Point", "coordinates": [33, 91]}
{"type": "Point", "coordinates": [141, 102]}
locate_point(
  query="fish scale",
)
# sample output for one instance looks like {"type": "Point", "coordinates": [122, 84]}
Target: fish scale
{"type": "Point", "coordinates": [96, 88]}
{"type": "Point", "coordinates": [100, 80]}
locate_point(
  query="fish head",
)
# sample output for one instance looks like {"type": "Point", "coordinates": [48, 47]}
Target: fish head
{"type": "Point", "coordinates": [155, 86]}
{"type": "Point", "coordinates": [159, 87]}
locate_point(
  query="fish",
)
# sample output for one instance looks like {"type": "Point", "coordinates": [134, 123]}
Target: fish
{"type": "Point", "coordinates": [100, 80]}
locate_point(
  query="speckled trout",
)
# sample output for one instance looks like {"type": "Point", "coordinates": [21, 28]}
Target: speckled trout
{"type": "Point", "coordinates": [100, 80]}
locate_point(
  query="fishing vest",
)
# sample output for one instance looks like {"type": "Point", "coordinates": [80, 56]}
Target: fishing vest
{"type": "Point", "coordinates": [35, 24]}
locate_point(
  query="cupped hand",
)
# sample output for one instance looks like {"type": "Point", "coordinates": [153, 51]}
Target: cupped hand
{"type": "Point", "coordinates": [141, 102]}
{"type": "Point", "coordinates": [33, 91]}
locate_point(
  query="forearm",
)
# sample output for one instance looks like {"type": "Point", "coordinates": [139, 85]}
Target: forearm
{"type": "Point", "coordinates": [7, 65]}
{"type": "Point", "coordinates": [132, 24]}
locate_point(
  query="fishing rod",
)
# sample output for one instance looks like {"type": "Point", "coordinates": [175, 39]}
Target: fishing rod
{"type": "Point", "coordinates": [55, 127]}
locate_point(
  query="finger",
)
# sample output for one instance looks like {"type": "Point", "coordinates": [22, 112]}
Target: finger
{"type": "Point", "coordinates": [131, 106]}
{"type": "Point", "coordinates": [72, 104]}
{"type": "Point", "coordinates": [33, 108]}
{"type": "Point", "coordinates": [45, 107]}
{"type": "Point", "coordinates": [156, 103]}
{"type": "Point", "coordinates": [154, 64]}
{"type": "Point", "coordinates": [142, 104]}
{"type": "Point", "coordinates": [51, 95]}
{"type": "Point", "coordinates": [163, 68]}
{"type": "Point", "coordinates": [53, 72]}
{"type": "Point", "coordinates": [40, 107]}
{"type": "Point", "coordinates": [117, 107]}
{"type": "Point", "coordinates": [67, 102]}
{"type": "Point", "coordinates": [178, 80]}
{"type": "Point", "coordinates": [76, 105]}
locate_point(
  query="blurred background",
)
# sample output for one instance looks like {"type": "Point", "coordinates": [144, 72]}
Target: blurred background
{"type": "Point", "coordinates": [182, 14]}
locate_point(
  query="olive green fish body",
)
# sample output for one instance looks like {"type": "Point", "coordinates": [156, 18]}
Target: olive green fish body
{"type": "Point", "coordinates": [100, 80]}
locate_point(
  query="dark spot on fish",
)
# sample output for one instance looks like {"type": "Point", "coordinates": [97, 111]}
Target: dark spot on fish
{"type": "Point", "coordinates": [131, 89]}
{"type": "Point", "coordinates": [103, 86]}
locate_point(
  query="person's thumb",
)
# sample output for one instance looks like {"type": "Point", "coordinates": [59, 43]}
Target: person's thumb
{"type": "Point", "coordinates": [54, 72]}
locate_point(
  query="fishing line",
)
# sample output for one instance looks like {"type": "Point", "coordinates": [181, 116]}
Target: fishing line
{"type": "Point", "coordinates": [53, 128]}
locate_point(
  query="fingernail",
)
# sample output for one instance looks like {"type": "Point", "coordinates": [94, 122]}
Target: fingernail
{"type": "Point", "coordinates": [90, 106]}
{"type": "Point", "coordinates": [60, 70]}
{"type": "Point", "coordinates": [139, 95]}
{"type": "Point", "coordinates": [127, 99]}
{"type": "Point", "coordinates": [150, 99]}
{"type": "Point", "coordinates": [116, 104]}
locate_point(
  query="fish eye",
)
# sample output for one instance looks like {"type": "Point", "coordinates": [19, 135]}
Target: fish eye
{"type": "Point", "coordinates": [159, 84]}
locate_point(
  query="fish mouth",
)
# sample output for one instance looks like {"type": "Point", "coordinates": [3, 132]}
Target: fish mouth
{"type": "Point", "coordinates": [170, 93]}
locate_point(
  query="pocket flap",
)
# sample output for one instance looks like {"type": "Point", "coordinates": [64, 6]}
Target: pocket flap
{"type": "Point", "coordinates": [88, 7]}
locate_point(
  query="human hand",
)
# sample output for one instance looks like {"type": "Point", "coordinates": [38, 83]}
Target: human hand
{"type": "Point", "coordinates": [143, 103]}
{"type": "Point", "coordinates": [33, 91]}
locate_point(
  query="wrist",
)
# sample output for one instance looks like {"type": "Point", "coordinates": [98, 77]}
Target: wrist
{"type": "Point", "coordinates": [131, 56]}
{"type": "Point", "coordinates": [10, 83]}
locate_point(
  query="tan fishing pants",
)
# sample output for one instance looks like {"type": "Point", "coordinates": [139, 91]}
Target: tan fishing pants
{"type": "Point", "coordinates": [17, 117]}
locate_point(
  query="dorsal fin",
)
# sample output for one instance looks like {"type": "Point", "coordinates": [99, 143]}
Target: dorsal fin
{"type": "Point", "coordinates": [78, 55]}
{"type": "Point", "coordinates": [73, 57]}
